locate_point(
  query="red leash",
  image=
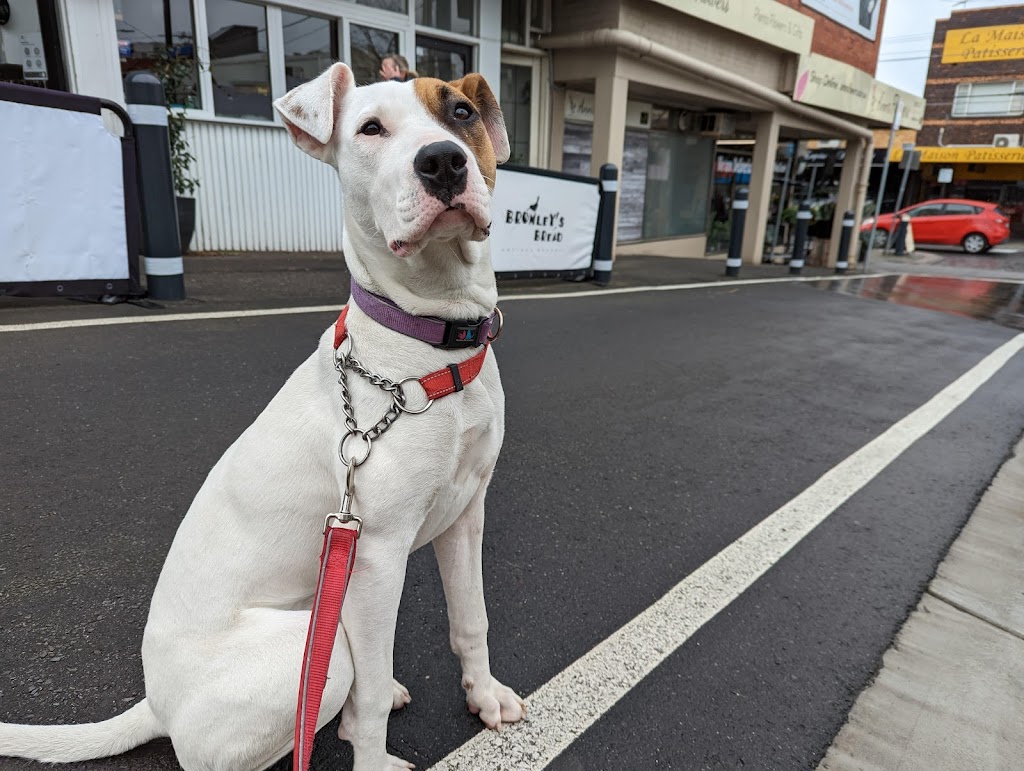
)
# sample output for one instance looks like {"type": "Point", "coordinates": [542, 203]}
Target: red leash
{"type": "Point", "coordinates": [336, 561]}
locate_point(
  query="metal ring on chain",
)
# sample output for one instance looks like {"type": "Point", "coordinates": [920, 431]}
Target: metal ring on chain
{"type": "Point", "coordinates": [351, 460]}
{"type": "Point", "coordinates": [501, 325]}
{"type": "Point", "coordinates": [401, 404]}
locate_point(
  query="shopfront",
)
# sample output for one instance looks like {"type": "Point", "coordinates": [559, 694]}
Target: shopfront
{"type": "Point", "coordinates": [30, 44]}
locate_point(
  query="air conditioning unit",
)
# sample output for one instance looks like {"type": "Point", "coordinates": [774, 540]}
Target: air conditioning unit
{"type": "Point", "coordinates": [1006, 140]}
{"type": "Point", "coordinates": [716, 124]}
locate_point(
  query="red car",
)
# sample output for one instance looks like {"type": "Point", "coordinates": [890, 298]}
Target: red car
{"type": "Point", "coordinates": [976, 225]}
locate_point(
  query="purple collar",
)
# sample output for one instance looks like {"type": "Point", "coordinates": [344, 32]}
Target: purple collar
{"type": "Point", "coordinates": [440, 333]}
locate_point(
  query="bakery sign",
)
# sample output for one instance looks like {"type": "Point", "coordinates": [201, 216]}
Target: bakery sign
{"type": "Point", "coordinates": [542, 221]}
{"type": "Point", "coordinates": [983, 44]}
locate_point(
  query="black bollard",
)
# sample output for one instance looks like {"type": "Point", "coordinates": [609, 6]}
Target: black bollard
{"type": "Point", "coordinates": [843, 258]}
{"type": "Point", "coordinates": [161, 244]}
{"type": "Point", "coordinates": [803, 221]}
{"type": "Point", "coordinates": [899, 242]}
{"type": "Point", "coordinates": [606, 225]}
{"type": "Point", "coordinates": [740, 204]}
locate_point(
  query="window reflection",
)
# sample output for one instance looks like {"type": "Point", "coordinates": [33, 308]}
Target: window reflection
{"type": "Point", "coordinates": [369, 47]}
{"type": "Point", "coordinates": [239, 63]}
{"type": "Point", "coordinates": [310, 46]}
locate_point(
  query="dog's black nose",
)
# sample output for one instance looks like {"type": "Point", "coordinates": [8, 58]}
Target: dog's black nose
{"type": "Point", "coordinates": [441, 166]}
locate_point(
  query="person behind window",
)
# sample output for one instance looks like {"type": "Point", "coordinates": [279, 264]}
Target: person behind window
{"type": "Point", "coordinates": [396, 67]}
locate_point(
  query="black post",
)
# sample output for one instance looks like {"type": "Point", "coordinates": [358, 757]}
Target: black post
{"type": "Point", "coordinates": [899, 242]}
{"type": "Point", "coordinates": [606, 225]}
{"type": "Point", "coordinates": [843, 258]}
{"type": "Point", "coordinates": [161, 244]}
{"type": "Point", "coordinates": [740, 204]}
{"type": "Point", "coordinates": [803, 221]}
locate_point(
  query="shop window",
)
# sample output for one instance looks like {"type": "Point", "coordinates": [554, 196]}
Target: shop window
{"type": "Point", "coordinates": [398, 6]}
{"type": "Point", "coordinates": [451, 15]}
{"type": "Point", "coordinates": [239, 63]}
{"type": "Point", "coordinates": [1002, 98]}
{"type": "Point", "coordinates": [159, 36]}
{"type": "Point", "coordinates": [369, 48]}
{"type": "Point", "coordinates": [516, 85]}
{"type": "Point", "coordinates": [310, 46]}
{"type": "Point", "coordinates": [522, 19]}
{"type": "Point", "coordinates": [678, 183]}
{"type": "Point", "coordinates": [442, 59]}
{"type": "Point", "coordinates": [577, 145]}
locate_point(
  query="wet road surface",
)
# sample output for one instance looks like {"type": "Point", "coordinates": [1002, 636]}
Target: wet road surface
{"type": "Point", "coordinates": [648, 434]}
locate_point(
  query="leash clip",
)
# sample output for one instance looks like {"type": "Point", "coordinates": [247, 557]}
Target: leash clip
{"type": "Point", "coordinates": [341, 518]}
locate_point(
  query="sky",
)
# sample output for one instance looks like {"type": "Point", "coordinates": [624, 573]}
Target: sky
{"type": "Point", "coordinates": [907, 38]}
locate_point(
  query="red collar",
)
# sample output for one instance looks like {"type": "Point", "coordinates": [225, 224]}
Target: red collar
{"type": "Point", "coordinates": [449, 380]}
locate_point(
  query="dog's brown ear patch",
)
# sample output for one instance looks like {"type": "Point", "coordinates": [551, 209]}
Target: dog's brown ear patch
{"type": "Point", "coordinates": [310, 111]}
{"type": "Point", "coordinates": [485, 133]}
{"type": "Point", "coordinates": [475, 87]}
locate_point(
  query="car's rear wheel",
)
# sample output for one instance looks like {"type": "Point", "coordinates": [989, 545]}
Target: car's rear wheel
{"type": "Point", "coordinates": [974, 243]}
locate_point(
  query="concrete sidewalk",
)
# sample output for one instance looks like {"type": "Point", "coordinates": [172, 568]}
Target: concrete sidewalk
{"type": "Point", "coordinates": [950, 693]}
{"type": "Point", "coordinates": [269, 280]}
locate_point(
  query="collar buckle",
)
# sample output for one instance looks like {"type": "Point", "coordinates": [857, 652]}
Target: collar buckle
{"type": "Point", "coordinates": [464, 333]}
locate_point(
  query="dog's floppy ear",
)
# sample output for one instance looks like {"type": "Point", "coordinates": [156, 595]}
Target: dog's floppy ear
{"type": "Point", "coordinates": [475, 87]}
{"type": "Point", "coordinates": [310, 111]}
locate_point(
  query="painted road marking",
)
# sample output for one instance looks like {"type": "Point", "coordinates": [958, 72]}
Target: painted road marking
{"type": "Point", "coordinates": [241, 314]}
{"type": "Point", "coordinates": [564, 707]}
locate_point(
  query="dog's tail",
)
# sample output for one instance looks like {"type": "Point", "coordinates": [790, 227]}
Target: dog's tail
{"type": "Point", "coordinates": [69, 743]}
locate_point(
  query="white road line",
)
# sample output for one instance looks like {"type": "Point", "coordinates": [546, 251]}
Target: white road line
{"type": "Point", "coordinates": [71, 323]}
{"type": "Point", "coordinates": [564, 707]}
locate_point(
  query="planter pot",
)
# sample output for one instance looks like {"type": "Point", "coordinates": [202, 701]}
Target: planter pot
{"type": "Point", "coordinates": [186, 221]}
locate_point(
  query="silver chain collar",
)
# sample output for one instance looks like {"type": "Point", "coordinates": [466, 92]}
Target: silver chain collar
{"type": "Point", "coordinates": [344, 361]}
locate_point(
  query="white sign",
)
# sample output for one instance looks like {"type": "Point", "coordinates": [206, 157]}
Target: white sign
{"type": "Point", "coordinates": [33, 58]}
{"type": "Point", "coordinates": [945, 175]}
{"type": "Point", "coordinates": [62, 189]}
{"type": "Point", "coordinates": [859, 15]}
{"type": "Point", "coordinates": [579, 108]}
{"type": "Point", "coordinates": [769, 22]}
{"type": "Point", "coordinates": [541, 222]}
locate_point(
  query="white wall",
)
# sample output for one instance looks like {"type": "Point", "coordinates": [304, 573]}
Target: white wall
{"type": "Point", "coordinates": [258, 192]}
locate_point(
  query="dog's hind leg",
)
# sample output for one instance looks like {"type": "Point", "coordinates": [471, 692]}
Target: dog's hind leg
{"type": "Point", "coordinates": [239, 709]}
{"type": "Point", "coordinates": [458, 552]}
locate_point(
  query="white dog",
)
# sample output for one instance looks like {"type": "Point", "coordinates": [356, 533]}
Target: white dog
{"type": "Point", "coordinates": [223, 646]}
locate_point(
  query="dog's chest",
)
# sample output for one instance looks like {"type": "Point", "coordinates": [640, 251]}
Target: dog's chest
{"type": "Point", "coordinates": [428, 469]}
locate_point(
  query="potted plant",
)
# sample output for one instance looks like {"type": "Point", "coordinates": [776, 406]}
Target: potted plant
{"type": "Point", "coordinates": [177, 69]}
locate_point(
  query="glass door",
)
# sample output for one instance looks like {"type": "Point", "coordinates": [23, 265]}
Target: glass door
{"type": "Point", "coordinates": [520, 101]}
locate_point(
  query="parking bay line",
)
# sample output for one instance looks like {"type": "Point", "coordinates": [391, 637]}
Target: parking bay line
{"type": "Point", "coordinates": [568, 704]}
{"type": "Point", "coordinates": [298, 310]}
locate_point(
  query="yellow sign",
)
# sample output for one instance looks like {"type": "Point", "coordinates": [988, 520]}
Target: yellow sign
{"type": "Point", "coordinates": [965, 154]}
{"type": "Point", "coordinates": [983, 44]}
{"type": "Point", "coordinates": [769, 22]}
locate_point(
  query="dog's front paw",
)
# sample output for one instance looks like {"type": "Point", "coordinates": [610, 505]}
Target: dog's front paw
{"type": "Point", "coordinates": [496, 704]}
{"type": "Point", "coordinates": [399, 695]}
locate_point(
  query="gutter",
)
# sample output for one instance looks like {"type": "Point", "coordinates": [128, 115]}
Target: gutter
{"type": "Point", "coordinates": [644, 48]}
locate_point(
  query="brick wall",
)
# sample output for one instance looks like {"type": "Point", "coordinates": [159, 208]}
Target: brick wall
{"type": "Point", "coordinates": [838, 42]}
{"type": "Point", "coordinates": [943, 79]}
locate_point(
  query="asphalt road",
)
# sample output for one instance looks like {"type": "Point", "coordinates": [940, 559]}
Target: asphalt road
{"type": "Point", "coordinates": [645, 433]}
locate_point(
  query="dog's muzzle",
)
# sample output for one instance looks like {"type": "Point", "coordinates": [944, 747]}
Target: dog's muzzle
{"type": "Point", "coordinates": [441, 167]}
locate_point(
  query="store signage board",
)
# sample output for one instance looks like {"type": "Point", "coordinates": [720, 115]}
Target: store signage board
{"type": "Point", "coordinates": [860, 15]}
{"type": "Point", "coordinates": [769, 22]}
{"type": "Point", "coordinates": [543, 222]}
{"type": "Point", "coordinates": [983, 44]}
{"type": "Point", "coordinates": [825, 82]}
{"type": "Point", "coordinates": [882, 105]}
{"type": "Point", "coordinates": [579, 108]}
{"type": "Point", "coordinates": [965, 154]}
{"type": "Point", "coordinates": [60, 166]}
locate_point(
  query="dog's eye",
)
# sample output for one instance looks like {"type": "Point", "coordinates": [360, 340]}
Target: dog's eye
{"type": "Point", "coordinates": [371, 128]}
{"type": "Point", "coordinates": [462, 111]}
